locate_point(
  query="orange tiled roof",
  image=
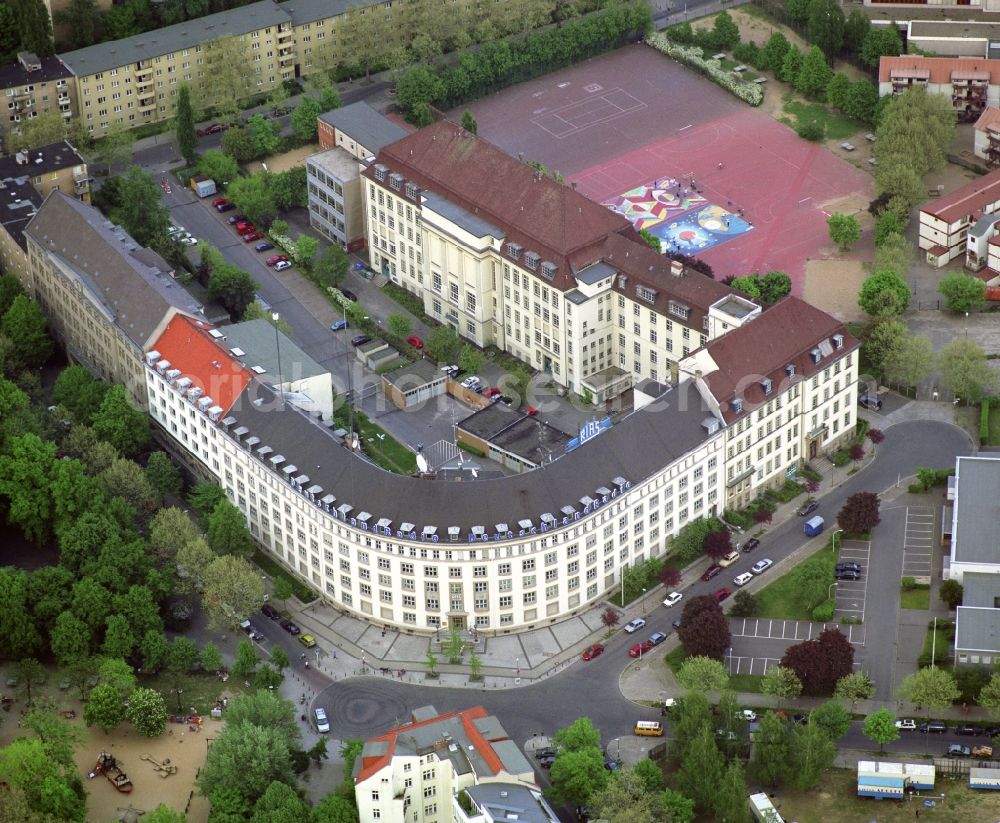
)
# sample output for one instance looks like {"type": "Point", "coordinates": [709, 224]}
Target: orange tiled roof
{"type": "Point", "coordinates": [989, 117]}
{"type": "Point", "coordinates": [940, 68]}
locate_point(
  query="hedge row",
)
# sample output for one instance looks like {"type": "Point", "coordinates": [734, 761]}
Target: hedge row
{"type": "Point", "coordinates": [692, 56]}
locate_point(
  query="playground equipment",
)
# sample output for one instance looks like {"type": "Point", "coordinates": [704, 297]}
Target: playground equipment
{"type": "Point", "coordinates": [112, 769]}
{"type": "Point", "coordinates": [164, 769]}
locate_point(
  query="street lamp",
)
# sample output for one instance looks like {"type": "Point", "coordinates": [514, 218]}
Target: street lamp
{"type": "Point", "coordinates": [829, 589]}
{"type": "Point", "coordinates": [834, 540]}
{"type": "Point", "coordinates": [517, 665]}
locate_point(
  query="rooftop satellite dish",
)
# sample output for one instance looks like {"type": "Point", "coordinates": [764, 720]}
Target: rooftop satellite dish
{"type": "Point", "coordinates": [422, 463]}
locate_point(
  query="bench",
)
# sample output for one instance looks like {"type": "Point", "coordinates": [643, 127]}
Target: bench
{"type": "Point", "coordinates": [720, 56]}
{"type": "Point", "coordinates": [933, 193]}
{"type": "Point", "coordinates": [847, 147]}
{"type": "Point", "coordinates": [872, 161]}
{"type": "Point", "coordinates": [760, 80]}
{"type": "Point", "coordinates": [740, 69]}
{"type": "Point", "coordinates": [870, 137]}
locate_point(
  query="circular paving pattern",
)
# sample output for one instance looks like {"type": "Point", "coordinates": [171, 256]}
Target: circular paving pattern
{"type": "Point", "coordinates": [362, 708]}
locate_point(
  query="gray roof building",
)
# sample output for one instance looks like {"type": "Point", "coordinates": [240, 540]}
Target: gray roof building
{"type": "Point", "coordinates": [308, 11]}
{"type": "Point", "coordinates": [30, 69]}
{"type": "Point", "coordinates": [133, 283]}
{"type": "Point", "coordinates": [510, 801]}
{"type": "Point", "coordinates": [19, 202]}
{"type": "Point", "coordinates": [36, 161]}
{"type": "Point", "coordinates": [361, 122]}
{"type": "Point", "coordinates": [255, 343]}
{"type": "Point", "coordinates": [976, 511]}
{"type": "Point", "coordinates": [187, 35]}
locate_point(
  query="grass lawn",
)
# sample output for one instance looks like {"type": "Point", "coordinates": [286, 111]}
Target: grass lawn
{"type": "Point", "coordinates": [781, 597]}
{"type": "Point", "coordinates": [198, 690]}
{"type": "Point", "coordinates": [838, 127]}
{"type": "Point", "coordinates": [675, 659]}
{"type": "Point", "coordinates": [749, 75]}
{"type": "Point", "coordinates": [383, 449]}
{"type": "Point", "coordinates": [275, 569]}
{"type": "Point", "coordinates": [943, 639]}
{"type": "Point", "coordinates": [995, 423]}
{"type": "Point", "coordinates": [835, 801]}
{"type": "Point", "coordinates": [745, 682]}
{"type": "Point", "coordinates": [915, 598]}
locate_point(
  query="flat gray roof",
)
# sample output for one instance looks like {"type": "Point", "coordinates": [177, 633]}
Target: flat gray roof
{"type": "Point", "coordinates": [472, 223]}
{"type": "Point", "coordinates": [273, 352]}
{"type": "Point", "coordinates": [735, 306]}
{"type": "Point", "coordinates": [490, 421]}
{"type": "Point", "coordinates": [980, 589]}
{"type": "Point", "coordinates": [966, 29]}
{"type": "Point", "coordinates": [19, 202]}
{"type": "Point", "coordinates": [337, 161]}
{"type": "Point", "coordinates": [415, 375]}
{"type": "Point", "coordinates": [512, 801]}
{"type": "Point", "coordinates": [532, 440]}
{"type": "Point", "coordinates": [595, 273]}
{"type": "Point", "coordinates": [364, 125]}
{"type": "Point", "coordinates": [187, 35]}
{"type": "Point", "coordinates": [308, 11]}
{"type": "Point", "coordinates": [35, 162]}
{"type": "Point", "coordinates": [977, 511]}
{"type": "Point", "coordinates": [977, 629]}
{"type": "Point", "coordinates": [635, 448]}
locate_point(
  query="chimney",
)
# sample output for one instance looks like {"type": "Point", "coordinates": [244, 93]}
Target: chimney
{"type": "Point", "coordinates": [676, 268]}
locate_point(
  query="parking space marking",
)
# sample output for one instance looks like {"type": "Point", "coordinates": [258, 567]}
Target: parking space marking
{"type": "Point", "coordinates": [918, 541]}
{"type": "Point", "coordinates": [738, 664]}
{"type": "Point", "coordinates": [791, 630]}
{"type": "Point", "coordinates": [850, 595]}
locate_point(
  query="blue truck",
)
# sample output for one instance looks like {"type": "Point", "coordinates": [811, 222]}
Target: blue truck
{"type": "Point", "coordinates": [814, 525]}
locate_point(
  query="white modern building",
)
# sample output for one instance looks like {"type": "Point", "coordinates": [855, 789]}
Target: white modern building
{"type": "Point", "coordinates": [945, 222]}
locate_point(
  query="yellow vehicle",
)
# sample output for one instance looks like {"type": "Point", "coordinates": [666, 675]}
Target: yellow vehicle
{"type": "Point", "coordinates": [307, 640]}
{"type": "Point", "coordinates": [649, 728]}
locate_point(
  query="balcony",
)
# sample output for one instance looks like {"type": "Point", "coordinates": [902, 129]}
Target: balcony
{"type": "Point", "coordinates": [143, 70]}
{"type": "Point", "coordinates": [143, 85]}
{"type": "Point", "coordinates": [145, 108]}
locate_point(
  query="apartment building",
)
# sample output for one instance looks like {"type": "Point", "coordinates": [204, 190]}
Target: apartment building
{"type": "Point", "coordinates": [783, 398]}
{"type": "Point", "coordinates": [358, 129]}
{"type": "Point", "coordinates": [971, 83]}
{"type": "Point", "coordinates": [509, 257]}
{"type": "Point", "coordinates": [416, 771]}
{"type": "Point", "coordinates": [105, 296]}
{"type": "Point", "coordinates": [503, 802]}
{"type": "Point", "coordinates": [55, 166]}
{"type": "Point", "coordinates": [19, 203]}
{"type": "Point", "coordinates": [133, 81]}
{"type": "Point", "coordinates": [937, 7]}
{"type": "Point", "coordinates": [30, 87]}
{"type": "Point", "coordinates": [946, 222]}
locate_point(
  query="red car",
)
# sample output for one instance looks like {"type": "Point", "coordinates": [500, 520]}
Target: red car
{"type": "Point", "coordinates": [721, 594]}
{"type": "Point", "coordinates": [243, 226]}
{"type": "Point", "coordinates": [219, 201]}
{"type": "Point", "coordinates": [711, 572]}
{"type": "Point", "coordinates": [415, 341]}
{"type": "Point", "coordinates": [215, 128]}
{"type": "Point", "coordinates": [640, 648]}
{"type": "Point", "coordinates": [492, 391]}
{"type": "Point", "coordinates": [274, 258]}
{"type": "Point", "coordinates": [593, 651]}
{"type": "Point", "coordinates": [531, 411]}
{"type": "Point", "coordinates": [250, 236]}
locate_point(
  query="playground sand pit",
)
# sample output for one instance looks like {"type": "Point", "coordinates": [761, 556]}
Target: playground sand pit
{"type": "Point", "coordinates": [278, 163]}
{"type": "Point", "coordinates": [833, 285]}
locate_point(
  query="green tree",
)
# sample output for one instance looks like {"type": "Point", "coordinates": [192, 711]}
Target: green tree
{"type": "Point", "coordinates": [34, 26]}
{"type": "Point", "coordinates": [887, 225]}
{"type": "Point", "coordinates": [280, 803]}
{"type": "Point", "coordinates": [147, 712]}
{"type": "Point", "coordinates": [25, 327]}
{"type": "Point", "coordinates": [471, 359]}
{"type": "Point", "coordinates": [30, 675]}
{"type": "Point", "coordinates": [580, 735]}
{"type": "Point", "coordinates": [332, 265]}
{"type": "Point", "coordinates": [814, 74]}
{"type": "Point", "coordinates": [418, 85]}
{"type": "Point", "coordinates": [442, 344]}
{"type": "Point", "coordinates": [187, 140]}
{"type": "Point", "coordinates": [118, 674]}
{"type": "Point", "coordinates": [469, 122]}
{"type": "Point", "coordinates": [625, 799]}
{"type": "Point", "coordinates": [725, 32]}
{"type": "Point", "coordinates": [232, 287]}
{"type": "Point", "coordinates": [844, 230]}
{"type": "Point", "coordinates": [164, 814]}
{"type": "Point", "coordinates": [880, 727]}
{"type": "Point", "coordinates": [838, 91]}
{"type": "Point", "coordinates": [218, 166]}
{"type": "Point", "coordinates": [772, 56]}
{"type": "Point", "coordinates": [701, 771]}
{"type": "Point", "coordinates": [281, 589]}
{"type": "Point", "coordinates": [989, 695]}
{"type": "Point", "coordinates": [58, 736]}
{"type": "Point", "coordinates": [825, 26]}
{"type": "Point", "coordinates": [965, 372]}
{"type": "Point", "coordinates": [576, 775]}
{"type": "Point", "coordinates": [70, 638]}
{"type": "Point", "coordinates": [119, 423]}
{"type": "Point", "coordinates": [163, 476]}
{"type": "Point", "coordinates": [265, 135]}
{"type": "Point", "coordinates": [253, 196]}
{"type": "Point", "coordinates": [246, 660]}
{"type": "Point", "coordinates": [305, 249]}
{"type": "Point", "coordinates": [884, 340]}
{"type": "Point", "coordinates": [126, 479]}
{"type": "Point", "coordinates": [279, 659]}
{"type": "Point", "coordinates": [47, 790]}
{"type": "Point", "coordinates": [192, 558]}
{"type": "Point", "coordinates": [650, 774]}
{"type": "Point", "coordinates": [268, 711]}
{"type": "Point", "coordinates": [211, 658]}
{"type": "Point", "coordinates": [879, 43]}
{"type": "Point", "coordinates": [854, 687]}
{"type": "Point", "coordinates": [675, 807]}
{"type": "Point", "coordinates": [290, 188]}
{"type": "Point", "coordinates": [731, 799]}
{"type": "Point", "coordinates": [798, 10]}
{"type": "Point", "coordinates": [833, 719]}
{"type": "Point", "coordinates": [893, 253]}
{"type": "Point", "coordinates": [246, 758]}
{"type": "Point", "coordinates": [703, 674]}
{"type": "Point", "coordinates": [781, 682]}
{"type": "Point", "coordinates": [420, 115]}
{"type": "Point", "coordinates": [154, 649]}
{"type": "Point", "coordinates": [334, 809]}
{"type": "Point", "coordinates": [856, 28]}
{"type": "Point", "coordinates": [104, 708]}
{"type": "Point", "coordinates": [81, 19]}
{"type": "Point", "coordinates": [689, 715]}
{"type": "Point", "coordinates": [962, 292]}
{"type": "Point", "coordinates": [932, 688]}
{"type": "Point", "coordinates": [26, 483]}
{"type": "Point", "coordinates": [650, 240]}
{"type": "Point", "coordinates": [237, 145]}
{"type": "Point", "coordinates": [203, 498]}
{"type": "Point", "coordinates": [141, 211]}
{"type": "Point", "coordinates": [812, 754]}
{"type": "Point", "coordinates": [77, 390]}
{"type": "Point", "coordinates": [398, 324]}
{"type": "Point", "coordinates": [119, 641]}
{"type": "Point", "coordinates": [304, 119]}
{"type": "Point", "coordinates": [233, 589]}
{"type": "Point", "coordinates": [951, 592]}
{"type": "Point", "coordinates": [771, 755]}
{"type": "Point", "coordinates": [884, 293]}
{"type": "Point", "coordinates": [227, 530]}
{"type": "Point", "coordinates": [227, 76]}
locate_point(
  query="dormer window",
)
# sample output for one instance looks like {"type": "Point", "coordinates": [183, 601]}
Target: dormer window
{"type": "Point", "coordinates": [645, 293]}
{"type": "Point", "coordinates": [411, 191]}
{"type": "Point", "coordinates": [838, 341]}
{"type": "Point", "coordinates": [679, 309]}
{"type": "Point", "coordinates": [737, 405]}
{"type": "Point", "coordinates": [815, 355]}
{"type": "Point", "coordinates": [549, 269]}
{"type": "Point", "coordinates": [380, 171]}
{"type": "Point", "coordinates": [514, 250]}
{"type": "Point", "coordinates": [765, 384]}
{"type": "Point", "coordinates": [790, 370]}
{"type": "Point", "coordinates": [396, 181]}
{"type": "Point", "coordinates": [531, 260]}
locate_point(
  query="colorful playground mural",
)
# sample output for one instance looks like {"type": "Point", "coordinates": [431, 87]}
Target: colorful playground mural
{"type": "Point", "coordinates": [678, 216]}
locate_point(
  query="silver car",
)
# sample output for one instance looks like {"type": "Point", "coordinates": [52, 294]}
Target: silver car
{"type": "Point", "coordinates": [322, 724]}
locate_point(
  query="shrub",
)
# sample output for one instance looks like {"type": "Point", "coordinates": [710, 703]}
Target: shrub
{"type": "Point", "coordinates": [823, 613]}
{"type": "Point", "coordinates": [747, 92]}
{"type": "Point", "coordinates": [908, 583]}
{"type": "Point", "coordinates": [739, 519]}
{"type": "Point", "coordinates": [747, 53]}
{"type": "Point", "coordinates": [811, 130]}
{"type": "Point", "coordinates": [984, 421]}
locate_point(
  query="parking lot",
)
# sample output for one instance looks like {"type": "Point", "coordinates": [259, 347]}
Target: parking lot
{"type": "Point", "coordinates": [794, 631]}
{"type": "Point", "coordinates": [918, 543]}
{"type": "Point", "coordinates": [850, 594]}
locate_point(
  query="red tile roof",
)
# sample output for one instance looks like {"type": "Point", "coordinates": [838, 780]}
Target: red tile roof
{"type": "Point", "coordinates": [783, 335]}
{"type": "Point", "coordinates": [187, 344]}
{"type": "Point", "coordinates": [372, 765]}
{"type": "Point", "coordinates": [940, 69]}
{"type": "Point", "coordinates": [970, 198]}
{"type": "Point", "coordinates": [546, 217]}
{"type": "Point", "coordinates": [989, 117]}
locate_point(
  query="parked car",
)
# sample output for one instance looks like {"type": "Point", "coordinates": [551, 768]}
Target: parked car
{"type": "Point", "coordinates": [846, 574]}
{"type": "Point", "coordinates": [672, 599]}
{"type": "Point", "coordinates": [711, 572]}
{"type": "Point", "coordinates": [968, 731]}
{"type": "Point", "coordinates": [869, 401]}
{"type": "Point", "coordinates": [339, 325]}
{"type": "Point", "coordinates": [546, 760]}
{"type": "Point", "coordinates": [187, 239]}
{"type": "Point", "coordinates": [854, 567]}
{"type": "Point", "coordinates": [244, 225]}
{"type": "Point", "coordinates": [593, 650]}
{"type": "Point", "coordinates": [290, 627]}
{"type": "Point", "coordinates": [634, 625]}
{"type": "Point", "coordinates": [762, 565]}
{"type": "Point", "coordinates": [219, 201]}
{"type": "Point", "coordinates": [270, 612]}
{"type": "Point", "coordinates": [656, 638]}
{"type": "Point", "coordinates": [415, 341]}
{"type": "Point", "coordinates": [507, 401]}
{"type": "Point", "coordinates": [531, 411]}
{"type": "Point", "coordinates": [236, 218]}
{"type": "Point", "coordinates": [263, 246]}
{"type": "Point", "coordinates": [307, 640]}
{"type": "Point", "coordinates": [957, 750]}
{"type": "Point", "coordinates": [322, 724]}
{"type": "Point", "coordinates": [360, 340]}
{"type": "Point", "coordinates": [172, 230]}
{"type": "Point", "coordinates": [750, 544]}
{"type": "Point", "coordinates": [252, 631]}
{"type": "Point", "coordinates": [729, 559]}
{"type": "Point", "coordinates": [281, 265]}
{"type": "Point", "coordinates": [808, 508]}
{"type": "Point", "coordinates": [470, 382]}
{"type": "Point", "coordinates": [275, 258]}
{"type": "Point", "coordinates": [250, 236]}
{"type": "Point", "coordinates": [545, 752]}
{"type": "Point", "coordinates": [749, 715]}
{"type": "Point", "coordinates": [640, 649]}
{"type": "Point", "coordinates": [743, 579]}
{"type": "Point", "coordinates": [225, 207]}
{"type": "Point", "coordinates": [492, 391]}
{"type": "Point", "coordinates": [906, 725]}
{"type": "Point", "coordinates": [933, 727]}
{"type": "Point", "coordinates": [349, 295]}
{"type": "Point", "coordinates": [721, 594]}
{"type": "Point", "coordinates": [982, 751]}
